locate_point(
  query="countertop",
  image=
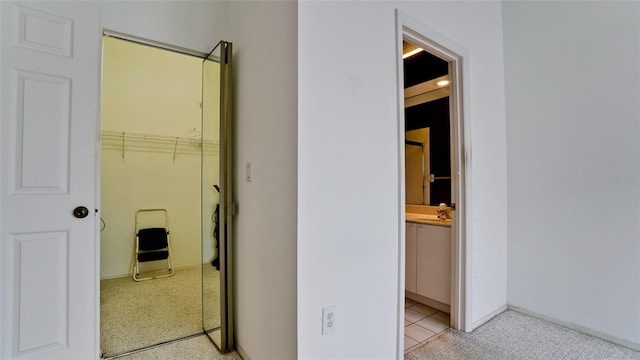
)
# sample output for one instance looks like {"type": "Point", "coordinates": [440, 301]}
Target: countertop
{"type": "Point", "coordinates": [427, 219]}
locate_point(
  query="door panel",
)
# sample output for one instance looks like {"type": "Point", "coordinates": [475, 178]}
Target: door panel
{"type": "Point", "coordinates": [42, 324]}
{"type": "Point", "coordinates": [227, 198]}
{"type": "Point", "coordinates": [434, 264]}
{"type": "Point", "coordinates": [41, 147]}
{"type": "Point", "coordinates": [211, 197]}
{"type": "Point", "coordinates": [49, 107]}
{"type": "Point", "coordinates": [218, 307]}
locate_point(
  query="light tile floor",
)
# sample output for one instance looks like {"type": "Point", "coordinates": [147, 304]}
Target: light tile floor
{"type": "Point", "coordinates": [421, 324]}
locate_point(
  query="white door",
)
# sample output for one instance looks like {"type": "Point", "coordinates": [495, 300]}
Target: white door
{"type": "Point", "coordinates": [48, 106]}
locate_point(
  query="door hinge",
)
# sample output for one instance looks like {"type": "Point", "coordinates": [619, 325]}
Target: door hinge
{"type": "Point", "coordinates": [453, 206]}
{"type": "Point", "coordinates": [232, 209]}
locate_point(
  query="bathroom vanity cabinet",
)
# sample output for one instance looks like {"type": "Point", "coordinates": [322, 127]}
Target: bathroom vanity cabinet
{"type": "Point", "coordinates": [428, 261]}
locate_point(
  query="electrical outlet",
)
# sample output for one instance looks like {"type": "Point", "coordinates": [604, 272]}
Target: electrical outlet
{"type": "Point", "coordinates": [328, 319]}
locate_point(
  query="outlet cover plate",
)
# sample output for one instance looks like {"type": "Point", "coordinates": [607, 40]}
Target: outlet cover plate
{"type": "Point", "coordinates": [328, 319]}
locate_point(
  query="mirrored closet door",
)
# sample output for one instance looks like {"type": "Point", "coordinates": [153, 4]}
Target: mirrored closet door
{"type": "Point", "coordinates": [165, 122]}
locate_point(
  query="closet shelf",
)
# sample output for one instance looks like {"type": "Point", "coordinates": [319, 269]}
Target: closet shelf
{"type": "Point", "coordinates": [144, 136]}
{"type": "Point", "coordinates": [159, 139]}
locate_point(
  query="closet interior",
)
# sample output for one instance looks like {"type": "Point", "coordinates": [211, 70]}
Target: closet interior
{"type": "Point", "coordinates": [159, 170]}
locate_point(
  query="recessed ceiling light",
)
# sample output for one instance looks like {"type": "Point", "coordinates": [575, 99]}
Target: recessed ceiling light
{"type": "Point", "coordinates": [411, 53]}
{"type": "Point", "coordinates": [442, 83]}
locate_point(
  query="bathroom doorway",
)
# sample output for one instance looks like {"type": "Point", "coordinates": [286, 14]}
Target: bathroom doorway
{"type": "Point", "coordinates": [162, 155]}
{"type": "Point", "coordinates": [431, 144]}
{"type": "Point", "coordinates": [428, 235]}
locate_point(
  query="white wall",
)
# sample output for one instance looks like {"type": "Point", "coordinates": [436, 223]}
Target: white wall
{"type": "Point", "coordinates": [572, 80]}
{"type": "Point", "coordinates": [4, 329]}
{"type": "Point", "coordinates": [264, 35]}
{"type": "Point", "coordinates": [194, 25]}
{"type": "Point", "coordinates": [348, 167]}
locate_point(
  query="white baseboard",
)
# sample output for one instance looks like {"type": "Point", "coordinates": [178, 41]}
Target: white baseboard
{"type": "Point", "coordinates": [242, 353]}
{"type": "Point", "coordinates": [488, 317]}
{"type": "Point", "coordinates": [427, 301]}
{"type": "Point", "coordinates": [579, 328]}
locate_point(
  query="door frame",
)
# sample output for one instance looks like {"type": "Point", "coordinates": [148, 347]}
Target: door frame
{"type": "Point", "coordinates": [456, 56]}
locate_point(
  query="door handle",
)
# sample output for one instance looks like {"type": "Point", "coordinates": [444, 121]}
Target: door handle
{"type": "Point", "coordinates": [80, 212]}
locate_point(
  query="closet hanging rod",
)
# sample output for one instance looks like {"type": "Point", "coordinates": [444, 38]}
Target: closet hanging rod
{"type": "Point", "coordinates": [144, 136]}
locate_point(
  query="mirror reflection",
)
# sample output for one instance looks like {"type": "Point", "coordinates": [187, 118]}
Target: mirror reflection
{"type": "Point", "coordinates": [427, 128]}
{"type": "Point", "coordinates": [217, 190]}
{"type": "Point", "coordinates": [211, 196]}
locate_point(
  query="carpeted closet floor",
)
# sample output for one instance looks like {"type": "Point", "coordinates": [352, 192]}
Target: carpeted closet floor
{"type": "Point", "coordinates": [134, 314]}
{"type": "Point", "coordinates": [198, 348]}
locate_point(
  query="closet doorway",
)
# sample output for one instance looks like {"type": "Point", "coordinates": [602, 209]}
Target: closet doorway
{"type": "Point", "coordinates": [161, 160]}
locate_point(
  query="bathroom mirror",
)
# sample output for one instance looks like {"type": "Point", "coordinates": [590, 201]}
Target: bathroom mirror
{"type": "Point", "coordinates": [217, 195]}
{"type": "Point", "coordinates": [427, 129]}
{"type": "Point", "coordinates": [427, 154]}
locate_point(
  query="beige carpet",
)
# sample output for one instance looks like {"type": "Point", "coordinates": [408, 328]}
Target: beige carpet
{"type": "Point", "coordinates": [140, 314]}
{"type": "Point", "coordinates": [515, 336]}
